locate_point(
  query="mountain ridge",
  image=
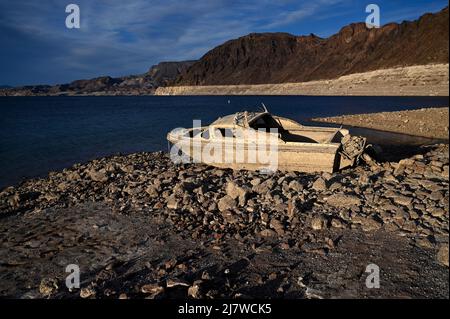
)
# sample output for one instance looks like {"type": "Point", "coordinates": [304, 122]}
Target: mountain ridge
{"type": "Point", "coordinates": [144, 84]}
{"type": "Point", "coordinates": [260, 58]}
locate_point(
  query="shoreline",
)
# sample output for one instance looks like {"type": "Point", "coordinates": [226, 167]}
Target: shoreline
{"type": "Point", "coordinates": [222, 217]}
{"type": "Point", "coordinates": [425, 122]}
{"type": "Point", "coordinates": [419, 80]}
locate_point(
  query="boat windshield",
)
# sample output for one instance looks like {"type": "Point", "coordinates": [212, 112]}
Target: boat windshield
{"type": "Point", "coordinates": [266, 122]}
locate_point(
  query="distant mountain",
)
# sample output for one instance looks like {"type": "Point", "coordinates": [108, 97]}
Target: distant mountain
{"type": "Point", "coordinates": [281, 57]}
{"type": "Point", "coordinates": [157, 75]}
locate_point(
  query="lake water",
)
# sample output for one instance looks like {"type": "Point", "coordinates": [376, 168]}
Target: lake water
{"type": "Point", "coordinates": [40, 134]}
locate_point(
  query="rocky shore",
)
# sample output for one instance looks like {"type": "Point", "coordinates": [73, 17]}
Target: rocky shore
{"type": "Point", "coordinates": [418, 80]}
{"type": "Point", "coordinates": [426, 122]}
{"type": "Point", "coordinates": [139, 226]}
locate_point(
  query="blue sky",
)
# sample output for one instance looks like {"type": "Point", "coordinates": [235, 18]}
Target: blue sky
{"type": "Point", "coordinates": [121, 37]}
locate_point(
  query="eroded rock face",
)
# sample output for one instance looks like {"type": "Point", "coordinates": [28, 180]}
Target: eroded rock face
{"type": "Point", "coordinates": [281, 57]}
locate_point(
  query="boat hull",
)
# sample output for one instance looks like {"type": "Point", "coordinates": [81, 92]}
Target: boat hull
{"type": "Point", "coordinates": [301, 158]}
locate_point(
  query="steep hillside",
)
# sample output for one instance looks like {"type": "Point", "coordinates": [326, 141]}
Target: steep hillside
{"type": "Point", "coordinates": [281, 57]}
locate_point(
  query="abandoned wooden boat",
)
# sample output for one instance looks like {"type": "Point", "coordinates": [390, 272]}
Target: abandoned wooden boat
{"type": "Point", "coordinates": [287, 145]}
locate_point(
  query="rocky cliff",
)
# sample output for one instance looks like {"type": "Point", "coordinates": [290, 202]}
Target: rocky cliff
{"type": "Point", "coordinates": [281, 57]}
{"type": "Point", "coordinates": [416, 80]}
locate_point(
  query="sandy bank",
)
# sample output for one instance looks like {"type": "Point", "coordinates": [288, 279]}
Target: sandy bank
{"type": "Point", "coordinates": [422, 80]}
{"type": "Point", "coordinates": [427, 122]}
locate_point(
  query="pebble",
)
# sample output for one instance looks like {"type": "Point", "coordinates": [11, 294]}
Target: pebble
{"type": "Point", "coordinates": [48, 286]}
{"type": "Point", "coordinates": [87, 292]}
{"type": "Point", "coordinates": [319, 185]}
{"type": "Point", "coordinates": [442, 255]}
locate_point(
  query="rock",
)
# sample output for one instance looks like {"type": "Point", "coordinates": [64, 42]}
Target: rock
{"type": "Point", "coordinates": [50, 197]}
{"type": "Point", "coordinates": [229, 217]}
{"type": "Point", "coordinates": [336, 223]}
{"type": "Point", "coordinates": [194, 290]}
{"type": "Point", "coordinates": [264, 218]}
{"type": "Point", "coordinates": [342, 200]}
{"type": "Point", "coordinates": [437, 164]}
{"type": "Point", "coordinates": [183, 187]}
{"type": "Point", "coordinates": [318, 223]}
{"type": "Point", "coordinates": [129, 168]}
{"type": "Point", "coordinates": [437, 212]}
{"type": "Point", "coordinates": [206, 275]}
{"type": "Point", "coordinates": [367, 223]}
{"type": "Point", "coordinates": [236, 192]}
{"type": "Point", "coordinates": [226, 203]}
{"type": "Point", "coordinates": [277, 225]}
{"type": "Point", "coordinates": [170, 264]}
{"type": "Point", "coordinates": [335, 186]}
{"type": "Point", "coordinates": [87, 292]}
{"type": "Point", "coordinates": [268, 233]}
{"type": "Point", "coordinates": [131, 190]}
{"type": "Point", "coordinates": [20, 198]}
{"type": "Point", "coordinates": [272, 276]}
{"type": "Point", "coordinates": [424, 243]}
{"type": "Point", "coordinates": [152, 191]}
{"type": "Point", "coordinates": [442, 255]}
{"type": "Point", "coordinates": [402, 200]}
{"type": "Point", "coordinates": [319, 185]}
{"type": "Point", "coordinates": [152, 289]}
{"type": "Point", "coordinates": [172, 202]}
{"type": "Point", "coordinates": [233, 190]}
{"type": "Point", "coordinates": [73, 176]}
{"type": "Point", "coordinates": [406, 162]}
{"type": "Point", "coordinates": [364, 179]}
{"type": "Point", "coordinates": [62, 186]}
{"type": "Point", "coordinates": [436, 196]}
{"type": "Point", "coordinates": [264, 187]}
{"type": "Point", "coordinates": [292, 209]}
{"type": "Point", "coordinates": [48, 286]}
{"type": "Point", "coordinates": [296, 186]}
{"type": "Point", "coordinates": [170, 283]}
{"type": "Point", "coordinates": [98, 176]}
